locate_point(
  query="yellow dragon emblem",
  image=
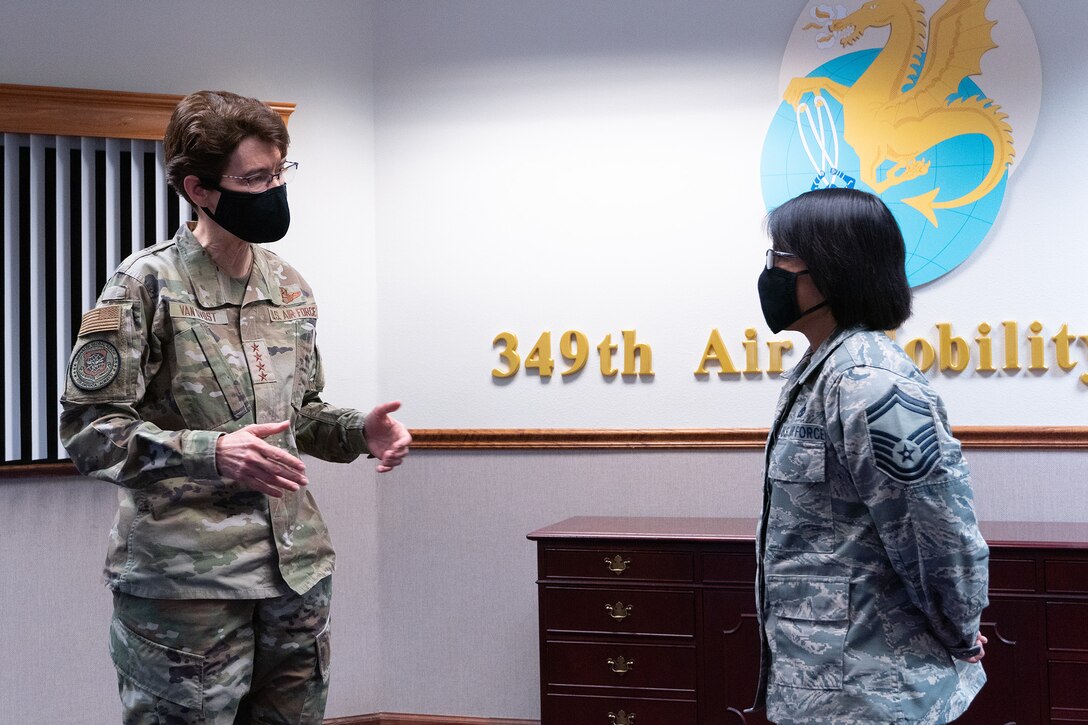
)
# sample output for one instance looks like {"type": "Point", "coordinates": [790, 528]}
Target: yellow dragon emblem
{"type": "Point", "coordinates": [884, 123]}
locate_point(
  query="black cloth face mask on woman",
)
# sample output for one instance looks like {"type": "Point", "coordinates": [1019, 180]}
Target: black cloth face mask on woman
{"type": "Point", "coordinates": [778, 298]}
{"type": "Point", "coordinates": [257, 218]}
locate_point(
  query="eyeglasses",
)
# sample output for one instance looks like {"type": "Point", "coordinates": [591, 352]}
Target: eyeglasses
{"type": "Point", "coordinates": [771, 254]}
{"type": "Point", "coordinates": [264, 180]}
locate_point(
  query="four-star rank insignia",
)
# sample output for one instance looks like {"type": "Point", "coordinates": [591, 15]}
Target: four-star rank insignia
{"type": "Point", "coordinates": [903, 435]}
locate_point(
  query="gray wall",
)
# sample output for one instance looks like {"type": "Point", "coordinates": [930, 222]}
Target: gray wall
{"type": "Point", "coordinates": [435, 603]}
{"type": "Point", "coordinates": [435, 578]}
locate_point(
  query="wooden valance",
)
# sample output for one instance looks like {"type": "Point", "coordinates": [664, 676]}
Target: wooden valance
{"type": "Point", "coordinates": [84, 112]}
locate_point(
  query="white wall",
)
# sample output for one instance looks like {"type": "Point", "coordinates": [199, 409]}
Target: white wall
{"type": "Point", "coordinates": [595, 166]}
{"type": "Point", "coordinates": [582, 165]}
{"type": "Point", "coordinates": [435, 579]}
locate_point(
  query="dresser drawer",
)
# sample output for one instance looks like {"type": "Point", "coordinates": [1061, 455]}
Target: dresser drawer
{"type": "Point", "coordinates": [736, 568]}
{"type": "Point", "coordinates": [1012, 575]}
{"type": "Point", "coordinates": [1066, 577]}
{"type": "Point", "coordinates": [578, 710]}
{"type": "Point", "coordinates": [1067, 627]}
{"type": "Point", "coordinates": [1068, 695]}
{"type": "Point", "coordinates": [619, 610]}
{"type": "Point", "coordinates": [617, 564]}
{"type": "Point", "coordinates": [596, 664]}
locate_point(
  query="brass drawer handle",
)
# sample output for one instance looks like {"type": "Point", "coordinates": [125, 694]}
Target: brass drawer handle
{"type": "Point", "coordinates": [618, 611]}
{"type": "Point", "coordinates": [620, 666]}
{"type": "Point", "coordinates": [617, 564]}
{"type": "Point", "coordinates": [621, 718]}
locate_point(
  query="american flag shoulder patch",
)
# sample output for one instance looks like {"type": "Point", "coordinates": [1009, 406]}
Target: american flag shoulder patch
{"type": "Point", "coordinates": [101, 319]}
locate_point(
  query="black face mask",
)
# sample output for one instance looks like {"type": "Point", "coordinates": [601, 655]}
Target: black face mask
{"type": "Point", "coordinates": [778, 298]}
{"type": "Point", "coordinates": [256, 218]}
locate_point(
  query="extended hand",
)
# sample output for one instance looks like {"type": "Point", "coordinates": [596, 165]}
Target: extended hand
{"type": "Point", "coordinates": [387, 438]}
{"type": "Point", "coordinates": [244, 457]}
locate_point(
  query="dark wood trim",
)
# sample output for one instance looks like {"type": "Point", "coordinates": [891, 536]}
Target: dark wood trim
{"type": "Point", "coordinates": [94, 113]}
{"type": "Point", "coordinates": [1056, 437]}
{"type": "Point", "coordinates": [478, 439]}
{"type": "Point", "coordinates": [31, 470]}
{"type": "Point", "coordinates": [1022, 436]}
{"type": "Point", "coordinates": [500, 438]}
{"type": "Point", "coordinates": [391, 718]}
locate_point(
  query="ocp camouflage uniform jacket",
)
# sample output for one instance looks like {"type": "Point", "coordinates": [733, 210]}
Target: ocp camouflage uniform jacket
{"type": "Point", "coordinates": [174, 354]}
{"type": "Point", "coordinates": [872, 572]}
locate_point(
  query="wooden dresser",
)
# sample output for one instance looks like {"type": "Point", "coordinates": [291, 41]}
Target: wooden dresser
{"type": "Point", "coordinates": [651, 621]}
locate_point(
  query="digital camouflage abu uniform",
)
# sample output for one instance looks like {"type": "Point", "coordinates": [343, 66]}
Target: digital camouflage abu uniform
{"type": "Point", "coordinates": [872, 572]}
{"type": "Point", "coordinates": [174, 354]}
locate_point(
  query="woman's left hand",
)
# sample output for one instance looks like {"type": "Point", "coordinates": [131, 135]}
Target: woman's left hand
{"type": "Point", "coordinates": [386, 437]}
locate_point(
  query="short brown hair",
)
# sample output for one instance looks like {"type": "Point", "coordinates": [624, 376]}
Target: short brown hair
{"type": "Point", "coordinates": [206, 128]}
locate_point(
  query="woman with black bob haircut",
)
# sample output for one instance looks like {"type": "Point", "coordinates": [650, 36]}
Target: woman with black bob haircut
{"type": "Point", "coordinates": [854, 251]}
{"type": "Point", "coordinates": [872, 573]}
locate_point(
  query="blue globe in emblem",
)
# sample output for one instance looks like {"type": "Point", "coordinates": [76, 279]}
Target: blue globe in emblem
{"type": "Point", "coordinates": [956, 166]}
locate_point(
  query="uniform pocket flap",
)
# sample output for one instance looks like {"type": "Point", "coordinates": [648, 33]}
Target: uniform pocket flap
{"type": "Point", "coordinates": [815, 599]}
{"type": "Point", "coordinates": [168, 673]}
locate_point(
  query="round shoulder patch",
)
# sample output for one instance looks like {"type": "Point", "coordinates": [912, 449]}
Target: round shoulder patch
{"type": "Point", "coordinates": [94, 365]}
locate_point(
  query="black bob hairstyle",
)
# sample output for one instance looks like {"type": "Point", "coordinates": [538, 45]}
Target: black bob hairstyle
{"type": "Point", "coordinates": [854, 251]}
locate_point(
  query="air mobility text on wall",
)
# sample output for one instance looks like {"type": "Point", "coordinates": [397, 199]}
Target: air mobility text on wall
{"type": "Point", "coordinates": [1008, 347]}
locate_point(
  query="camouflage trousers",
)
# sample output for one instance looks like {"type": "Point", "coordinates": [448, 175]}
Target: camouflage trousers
{"type": "Point", "coordinates": [223, 661]}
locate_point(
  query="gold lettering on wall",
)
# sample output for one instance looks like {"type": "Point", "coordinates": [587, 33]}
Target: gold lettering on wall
{"type": "Point", "coordinates": [574, 347]}
{"type": "Point", "coordinates": [943, 351]}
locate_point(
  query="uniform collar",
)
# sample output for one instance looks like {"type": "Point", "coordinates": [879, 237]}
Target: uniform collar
{"type": "Point", "coordinates": [807, 368]}
{"type": "Point", "coordinates": [814, 359]}
{"type": "Point", "coordinates": [213, 288]}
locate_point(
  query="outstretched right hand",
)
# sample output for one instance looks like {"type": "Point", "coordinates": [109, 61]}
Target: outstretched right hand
{"type": "Point", "coordinates": [244, 457]}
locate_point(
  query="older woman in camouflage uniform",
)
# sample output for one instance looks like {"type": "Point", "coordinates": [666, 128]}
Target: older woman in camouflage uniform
{"type": "Point", "coordinates": [194, 385]}
{"type": "Point", "coordinates": [872, 573]}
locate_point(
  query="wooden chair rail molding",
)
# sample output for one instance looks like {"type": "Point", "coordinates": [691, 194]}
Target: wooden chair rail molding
{"type": "Point", "coordinates": [386, 718]}
{"type": "Point", "coordinates": [969, 436]}
{"type": "Point", "coordinates": [1071, 437]}
{"type": "Point", "coordinates": [93, 113]}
